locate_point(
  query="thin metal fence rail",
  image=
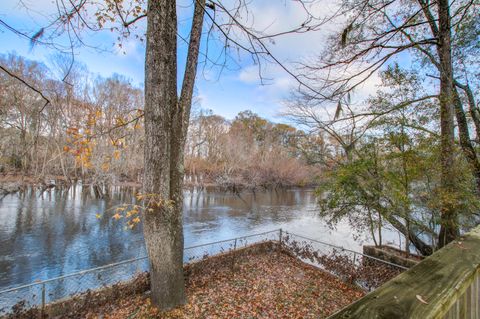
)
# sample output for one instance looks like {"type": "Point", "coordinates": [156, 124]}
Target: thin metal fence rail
{"type": "Point", "coordinates": [78, 273]}
{"type": "Point", "coordinates": [127, 261]}
{"type": "Point", "coordinates": [228, 240]}
{"type": "Point", "coordinates": [350, 266]}
{"type": "Point", "coordinates": [40, 293]}
{"type": "Point", "coordinates": [59, 288]}
{"type": "Point", "coordinates": [356, 253]}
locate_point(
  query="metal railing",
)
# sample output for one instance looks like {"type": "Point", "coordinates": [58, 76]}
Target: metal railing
{"type": "Point", "coordinates": [40, 293]}
{"type": "Point", "coordinates": [353, 267]}
{"type": "Point", "coordinates": [354, 253]}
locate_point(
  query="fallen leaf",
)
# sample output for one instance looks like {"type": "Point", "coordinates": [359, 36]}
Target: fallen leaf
{"type": "Point", "coordinates": [260, 283]}
{"type": "Point", "coordinates": [420, 298]}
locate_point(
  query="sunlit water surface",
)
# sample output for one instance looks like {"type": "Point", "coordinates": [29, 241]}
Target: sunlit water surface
{"type": "Point", "coordinates": [56, 233]}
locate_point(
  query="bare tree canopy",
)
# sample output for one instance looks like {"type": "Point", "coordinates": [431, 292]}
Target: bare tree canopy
{"type": "Point", "coordinates": [377, 37]}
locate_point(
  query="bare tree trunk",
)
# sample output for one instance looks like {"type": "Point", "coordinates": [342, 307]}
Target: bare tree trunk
{"type": "Point", "coordinates": [408, 232]}
{"type": "Point", "coordinates": [166, 124]}
{"type": "Point", "coordinates": [372, 227]}
{"type": "Point", "coordinates": [422, 247]}
{"type": "Point", "coordinates": [163, 229]}
{"type": "Point", "coordinates": [181, 116]}
{"type": "Point", "coordinates": [62, 165]}
{"type": "Point", "coordinates": [465, 141]}
{"type": "Point", "coordinates": [473, 109]}
{"type": "Point", "coordinates": [380, 228]}
{"type": "Point", "coordinates": [449, 226]}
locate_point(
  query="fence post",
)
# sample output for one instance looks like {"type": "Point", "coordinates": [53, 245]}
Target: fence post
{"type": "Point", "coordinates": [280, 239]}
{"type": "Point", "coordinates": [43, 300]}
{"type": "Point", "coordinates": [233, 254]}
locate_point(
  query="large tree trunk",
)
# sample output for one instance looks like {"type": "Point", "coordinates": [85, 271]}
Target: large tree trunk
{"type": "Point", "coordinates": [181, 116]}
{"type": "Point", "coordinates": [163, 229]}
{"type": "Point", "coordinates": [465, 141]}
{"type": "Point", "coordinates": [473, 109]}
{"type": "Point", "coordinates": [449, 225]}
{"type": "Point", "coordinates": [166, 124]}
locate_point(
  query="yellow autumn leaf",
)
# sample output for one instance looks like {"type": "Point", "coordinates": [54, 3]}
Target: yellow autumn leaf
{"type": "Point", "coordinates": [120, 121]}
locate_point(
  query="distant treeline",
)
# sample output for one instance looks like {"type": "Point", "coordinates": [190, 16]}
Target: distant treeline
{"type": "Point", "coordinates": [251, 151]}
{"type": "Point", "coordinates": [91, 129]}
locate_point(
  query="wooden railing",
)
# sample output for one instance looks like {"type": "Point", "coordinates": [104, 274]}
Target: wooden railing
{"type": "Point", "coordinates": [444, 285]}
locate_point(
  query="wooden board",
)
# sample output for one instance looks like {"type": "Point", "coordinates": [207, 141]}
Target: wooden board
{"type": "Point", "coordinates": [429, 289]}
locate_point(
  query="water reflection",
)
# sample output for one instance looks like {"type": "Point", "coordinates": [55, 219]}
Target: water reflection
{"type": "Point", "coordinates": [54, 233]}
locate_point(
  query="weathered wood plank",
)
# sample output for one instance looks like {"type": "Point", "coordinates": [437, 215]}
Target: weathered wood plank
{"type": "Point", "coordinates": [440, 280]}
{"type": "Point", "coordinates": [476, 299]}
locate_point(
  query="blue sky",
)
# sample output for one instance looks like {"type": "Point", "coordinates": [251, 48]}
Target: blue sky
{"type": "Point", "coordinates": [226, 94]}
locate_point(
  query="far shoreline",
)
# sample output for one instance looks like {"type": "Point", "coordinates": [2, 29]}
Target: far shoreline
{"type": "Point", "coordinates": [11, 183]}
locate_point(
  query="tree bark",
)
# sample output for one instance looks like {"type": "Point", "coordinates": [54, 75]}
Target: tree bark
{"type": "Point", "coordinates": [420, 245]}
{"type": "Point", "coordinates": [473, 109]}
{"type": "Point", "coordinates": [409, 233]}
{"type": "Point", "coordinates": [181, 116]}
{"type": "Point", "coordinates": [166, 124]}
{"type": "Point", "coordinates": [474, 112]}
{"type": "Point", "coordinates": [465, 142]}
{"type": "Point", "coordinates": [448, 222]}
{"type": "Point", "coordinates": [163, 229]}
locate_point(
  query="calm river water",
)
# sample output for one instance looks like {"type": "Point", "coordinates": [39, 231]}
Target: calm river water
{"type": "Point", "coordinates": [45, 236]}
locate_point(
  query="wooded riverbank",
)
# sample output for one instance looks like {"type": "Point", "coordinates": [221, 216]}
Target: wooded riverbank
{"type": "Point", "coordinates": [13, 183]}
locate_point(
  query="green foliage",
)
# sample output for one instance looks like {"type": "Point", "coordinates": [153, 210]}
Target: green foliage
{"type": "Point", "coordinates": [395, 175]}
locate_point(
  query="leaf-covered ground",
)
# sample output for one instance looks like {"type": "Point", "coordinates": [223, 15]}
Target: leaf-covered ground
{"type": "Point", "coordinates": [267, 284]}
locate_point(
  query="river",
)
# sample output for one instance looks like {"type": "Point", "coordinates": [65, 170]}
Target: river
{"type": "Point", "coordinates": [55, 233]}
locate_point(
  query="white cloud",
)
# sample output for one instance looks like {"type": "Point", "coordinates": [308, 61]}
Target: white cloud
{"type": "Point", "coordinates": [369, 87]}
{"type": "Point", "coordinates": [275, 17]}
{"type": "Point", "coordinates": [202, 98]}
{"type": "Point", "coordinates": [131, 49]}
{"type": "Point", "coordinates": [249, 74]}
{"type": "Point", "coordinates": [283, 83]}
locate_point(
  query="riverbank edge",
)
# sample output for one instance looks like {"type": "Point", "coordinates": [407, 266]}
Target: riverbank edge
{"type": "Point", "coordinates": [12, 183]}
